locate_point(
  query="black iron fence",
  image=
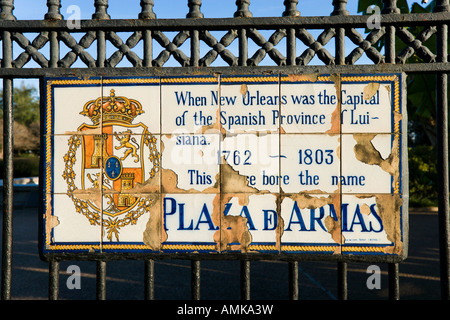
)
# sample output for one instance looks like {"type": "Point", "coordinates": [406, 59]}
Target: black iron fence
{"type": "Point", "coordinates": [290, 47]}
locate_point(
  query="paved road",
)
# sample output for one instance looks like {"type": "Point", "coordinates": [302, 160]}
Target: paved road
{"type": "Point", "coordinates": [419, 274]}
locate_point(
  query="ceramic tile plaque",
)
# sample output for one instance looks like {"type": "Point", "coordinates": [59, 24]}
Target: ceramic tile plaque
{"type": "Point", "coordinates": [273, 164]}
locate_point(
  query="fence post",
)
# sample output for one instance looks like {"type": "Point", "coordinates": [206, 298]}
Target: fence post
{"type": "Point", "coordinates": [147, 13]}
{"type": "Point", "coordinates": [101, 280]}
{"type": "Point", "coordinates": [195, 13]}
{"type": "Point", "coordinates": [195, 279]}
{"type": "Point", "coordinates": [389, 6]}
{"type": "Point", "coordinates": [53, 14]}
{"type": "Point", "coordinates": [291, 11]}
{"type": "Point", "coordinates": [340, 9]}
{"type": "Point", "coordinates": [53, 278]}
{"type": "Point", "coordinates": [53, 10]}
{"type": "Point", "coordinates": [244, 12]}
{"type": "Point", "coordinates": [7, 7]}
{"type": "Point", "coordinates": [293, 280]}
{"type": "Point", "coordinates": [245, 280]}
{"type": "Point", "coordinates": [149, 279]}
{"type": "Point", "coordinates": [442, 153]}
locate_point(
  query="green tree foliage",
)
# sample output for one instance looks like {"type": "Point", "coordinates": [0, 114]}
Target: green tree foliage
{"type": "Point", "coordinates": [26, 105]}
{"type": "Point", "coordinates": [26, 120]}
{"type": "Point", "coordinates": [363, 5]}
{"type": "Point", "coordinates": [421, 106]}
{"type": "Point", "coordinates": [422, 176]}
{"type": "Point", "coordinates": [421, 100]}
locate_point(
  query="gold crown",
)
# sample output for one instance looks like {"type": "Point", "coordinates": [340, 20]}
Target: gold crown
{"type": "Point", "coordinates": [112, 108]}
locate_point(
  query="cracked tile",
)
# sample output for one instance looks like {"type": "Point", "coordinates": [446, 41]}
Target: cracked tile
{"type": "Point", "coordinates": [311, 223]}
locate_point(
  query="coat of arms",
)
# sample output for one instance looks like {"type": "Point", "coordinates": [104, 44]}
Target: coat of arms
{"type": "Point", "coordinates": [116, 156]}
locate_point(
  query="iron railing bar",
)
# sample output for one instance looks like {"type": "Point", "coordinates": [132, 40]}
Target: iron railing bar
{"type": "Point", "coordinates": [195, 279]}
{"type": "Point", "coordinates": [340, 11]}
{"type": "Point", "coordinates": [291, 10]}
{"type": "Point", "coordinates": [7, 235]}
{"type": "Point", "coordinates": [101, 280]}
{"type": "Point", "coordinates": [148, 48]}
{"type": "Point", "coordinates": [394, 284]}
{"type": "Point", "coordinates": [442, 154]}
{"type": "Point", "coordinates": [443, 184]}
{"type": "Point", "coordinates": [53, 14]}
{"type": "Point", "coordinates": [8, 147]}
{"type": "Point", "coordinates": [245, 279]}
{"type": "Point", "coordinates": [53, 280]}
{"type": "Point", "coordinates": [243, 13]}
{"type": "Point", "coordinates": [100, 10]}
{"type": "Point", "coordinates": [54, 50]}
{"type": "Point", "coordinates": [147, 13]}
{"type": "Point", "coordinates": [101, 49]}
{"type": "Point", "coordinates": [293, 280]}
{"type": "Point", "coordinates": [195, 48]}
{"type": "Point", "coordinates": [342, 280]}
{"type": "Point", "coordinates": [390, 7]}
{"type": "Point", "coordinates": [149, 279]}
{"type": "Point", "coordinates": [307, 22]}
{"type": "Point", "coordinates": [228, 256]}
{"type": "Point", "coordinates": [412, 68]}
{"type": "Point", "coordinates": [194, 13]}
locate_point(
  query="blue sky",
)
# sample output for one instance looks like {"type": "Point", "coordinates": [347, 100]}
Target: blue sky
{"type": "Point", "coordinates": [169, 9]}
{"type": "Point", "coordinates": [166, 9]}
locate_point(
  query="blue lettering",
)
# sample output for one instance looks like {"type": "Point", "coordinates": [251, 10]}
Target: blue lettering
{"type": "Point", "coordinates": [187, 98]}
{"type": "Point", "coordinates": [169, 203]}
{"type": "Point", "coordinates": [246, 213]}
{"type": "Point", "coordinates": [207, 220]}
{"type": "Point", "coordinates": [181, 225]}
{"type": "Point", "coordinates": [299, 221]}
{"type": "Point", "coordinates": [270, 219]}
{"type": "Point", "coordinates": [377, 217]}
{"type": "Point", "coordinates": [173, 209]}
{"type": "Point", "coordinates": [358, 219]}
{"type": "Point", "coordinates": [318, 219]}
